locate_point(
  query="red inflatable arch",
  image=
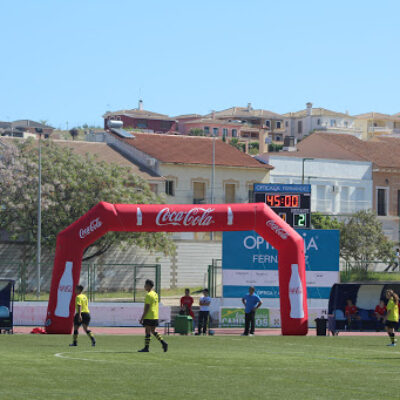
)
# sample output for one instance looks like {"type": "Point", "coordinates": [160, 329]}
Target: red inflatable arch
{"type": "Point", "coordinates": [105, 217]}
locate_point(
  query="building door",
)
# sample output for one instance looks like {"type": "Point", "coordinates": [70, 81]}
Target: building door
{"type": "Point", "coordinates": [199, 192]}
{"type": "Point", "coordinates": [230, 193]}
{"type": "Point", "coordinates": [381, 201]}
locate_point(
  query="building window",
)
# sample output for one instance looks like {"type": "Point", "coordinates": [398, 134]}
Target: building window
{"type": "Point", "coordinates": [333, 122]}
{"type": "Point", "coordinates": [381, 201]}
{"type": "Point", "coordinates": [206, 130]}
{"type": "Point", "coordinates": [268, 123]}
{"type": "Point", "coordinates": [230, 193]}
{"type": "Point", "coordinates": [141, 124]}
{"type": "Point", "coordinates": [346, 124]}
{"type": "Point", "coordinates": [299, 126]}
{"type": "Point", "coordinates": [318, 121]}
{"type": "Point", "coordinates": [215, 131]}
{"type": "Point", "coordinates": [234, 132]}
{"type": "Point", "coordinates": [170, 188]}
{"type": "Point", "coordinates": [165, 125]}
{"type": "Point", "coordinates": [199, 192]}
{"type": "Point", "coordinates": [286, 123]}
{"type": "Point", "coordinates": [278, 124]}
{"type": "Point", "coordinates": [225, 132]}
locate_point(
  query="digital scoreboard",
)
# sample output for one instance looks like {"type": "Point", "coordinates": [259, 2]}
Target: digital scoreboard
{"type": "Point", "coordinates": [291, 202]}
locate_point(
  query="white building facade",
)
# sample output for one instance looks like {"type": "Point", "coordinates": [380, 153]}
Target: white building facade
{"type": "Point", "coordinates": [338, 187]}
{"type": "Point", "coordinates": [301, 123]}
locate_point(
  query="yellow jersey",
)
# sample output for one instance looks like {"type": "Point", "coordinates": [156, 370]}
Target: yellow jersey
{"type": "Point", "coordinates": [82, 300]}
{"type": "Point", "coordinates": [392, 311]}
{"type": "Point", "coordinates": [152, 300]}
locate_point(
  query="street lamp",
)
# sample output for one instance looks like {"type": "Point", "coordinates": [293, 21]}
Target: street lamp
{"type": "Point", "coordinates": [302, 170]}
{"type": "Point", "coordinates": [213, 170]}
{"type": "Point", "coordinates": [39, 217]}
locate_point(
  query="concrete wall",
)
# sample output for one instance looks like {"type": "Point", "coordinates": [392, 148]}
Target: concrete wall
{"type": "Point", "coordinates": [187, 268]}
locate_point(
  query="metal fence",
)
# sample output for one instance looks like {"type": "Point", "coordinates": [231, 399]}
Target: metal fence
{"type": "Point", "coordinates": [102, 282]}
{"type": "Point", "coordinates": [215, 278]}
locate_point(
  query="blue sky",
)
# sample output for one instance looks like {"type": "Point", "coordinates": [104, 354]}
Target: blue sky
{"type": "Point", "coordinates": [73, 60]}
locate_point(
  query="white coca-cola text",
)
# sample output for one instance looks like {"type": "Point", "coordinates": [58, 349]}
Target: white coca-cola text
{"type": "Point", "coordinates": [95, 224]}
{"type": "Point", "coordinates": [65, 288]}
{"type": "Point", "coordinates": [277, 229]}
{"type": "Point", "coordinates": [194, 217]}
{"type": "Point", "coordinates": [297, 290]}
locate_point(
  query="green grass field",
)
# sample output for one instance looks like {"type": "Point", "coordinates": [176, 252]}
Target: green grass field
{"type": "Point", "coordinates": [226, 367]}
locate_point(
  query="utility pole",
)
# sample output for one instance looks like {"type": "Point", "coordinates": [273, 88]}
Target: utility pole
{"type": "Point", "coordinates": [39, 218]}
{"type": "Point", "coordinates": [213, 171]}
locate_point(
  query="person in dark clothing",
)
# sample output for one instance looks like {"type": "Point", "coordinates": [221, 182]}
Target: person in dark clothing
{"type": "Point", "coordinates": [251, 303]}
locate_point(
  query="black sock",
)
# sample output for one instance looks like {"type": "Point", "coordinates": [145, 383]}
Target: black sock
{"type": "Point", "coordinates": [75, 337]}
{"type": "Point", "coordinates": [147, 341]}
{"type": "Point", "coordinates": [90, 334]}
{"type": "Point", "coordinates": [158, 337]}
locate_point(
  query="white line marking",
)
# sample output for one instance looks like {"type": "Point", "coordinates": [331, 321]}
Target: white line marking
{"type": "Point", "coordinates": [61, 355]}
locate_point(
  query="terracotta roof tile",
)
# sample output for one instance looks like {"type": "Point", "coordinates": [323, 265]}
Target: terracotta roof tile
{"type": "Point", "coordinates": [382, 153]}
{"type": "Point", "coordinates": [191, 150]}
{"type": "Point", "coordinates": [104, 152]}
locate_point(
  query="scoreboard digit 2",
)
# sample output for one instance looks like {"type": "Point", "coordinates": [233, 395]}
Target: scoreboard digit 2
{"type": "Point", "coordinates": [291, 202]}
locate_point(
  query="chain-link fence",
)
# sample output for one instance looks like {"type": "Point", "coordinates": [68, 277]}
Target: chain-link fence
{"type": "Point", "coordinates": [102, 282]}
{"type": "Point", "coordinates": [215, 278]}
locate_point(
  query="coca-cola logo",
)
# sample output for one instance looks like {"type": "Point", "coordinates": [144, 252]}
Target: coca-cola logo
{"type": "Point", "coordinates": [65, 288]}
{"type": "Point", "coordinates": [95, 224]}
{"type": "Point", "coordinates": [277, 229]}
{"type": "Point", "coordinates": [296, 290]}
{"type": "Point", "coordinates": [194, 217]}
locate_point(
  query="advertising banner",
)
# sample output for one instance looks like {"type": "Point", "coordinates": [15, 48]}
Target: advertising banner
{"type": "Point", "coordinates": [248, 260]}
{"type": "Point", "coordinates": [234, 318]}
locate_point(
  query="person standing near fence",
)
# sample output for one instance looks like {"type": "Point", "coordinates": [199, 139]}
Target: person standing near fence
{"type": "Point", "coordinates": [392, 316]}
{"type": "Point", "coordinates": [82, 316]}
{"type": "Point", "coordinates": [204, 313]}
{"type": "Point", "coordinates": [252, 303]}
{"type": "Point", "coordinates": [150, 318]}
{"type": "Point", "coordinates": [186, 304]}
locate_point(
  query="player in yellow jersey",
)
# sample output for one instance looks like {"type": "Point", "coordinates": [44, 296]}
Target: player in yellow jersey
{"type": "Point", "coordinates": [82, 316]}
{"type": "Point", "coordinates": [392, 316]}
{"type": "Point", "coordinates": [150, 317]}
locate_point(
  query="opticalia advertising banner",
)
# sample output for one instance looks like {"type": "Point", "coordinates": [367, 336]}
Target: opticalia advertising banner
{"type": "Point", "coordinates": [248, 260]}
{"type": "Point", "coordinates": [234, 318]}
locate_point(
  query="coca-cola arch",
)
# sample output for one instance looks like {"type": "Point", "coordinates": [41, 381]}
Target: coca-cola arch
{"type": "Point", "coordinates": [105, 217]}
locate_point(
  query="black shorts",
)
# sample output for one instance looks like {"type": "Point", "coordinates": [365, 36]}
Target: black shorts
{"type": "Point", "coordinates": [150, 322]}
{"type": "Point", "coordinates": [85, 319]}
{"type": "Point", "coordinates": [392, 324]}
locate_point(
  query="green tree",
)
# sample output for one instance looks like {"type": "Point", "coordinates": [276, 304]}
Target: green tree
{"type": "Point", "coordinates": [196, 132]}
{"type": "Point", "coordinates": [71, 185]}
{"type": "Point", "coordinates": [361, 237]}
{"type": "Point", "coordinates": [74, 133]}
{"type": "Point", "coordinates": [235, 143]}
{"type": "Point", "coordinates": [320, 221]}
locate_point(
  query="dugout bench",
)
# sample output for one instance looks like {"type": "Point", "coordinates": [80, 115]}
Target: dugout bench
{"type": "Point", "coordinates": [7, 305]}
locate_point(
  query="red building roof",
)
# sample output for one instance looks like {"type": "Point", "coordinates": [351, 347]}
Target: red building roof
{"type": "Point", "coordinates": [191, 150]}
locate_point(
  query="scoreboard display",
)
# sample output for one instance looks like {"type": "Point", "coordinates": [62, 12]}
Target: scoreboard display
{"type": "Point", "coordinates": [291, 202]}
